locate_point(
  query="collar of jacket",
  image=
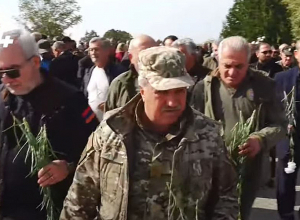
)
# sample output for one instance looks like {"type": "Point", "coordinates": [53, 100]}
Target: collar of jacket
{"type": "Point", "coordinates": [122, 120]}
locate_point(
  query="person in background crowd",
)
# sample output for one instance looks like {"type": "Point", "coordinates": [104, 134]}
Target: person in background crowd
{"type": "Point", "coordinates": [120, 51]}
{"type": "Point", "coordinates": [275, 53]}
{"type": "Point", "coordinates": [212, 62]}
{"type": "Point", "coordinates": [68, 43]}
{"type": "Point", "coordinates": [253, 49]}
{"type": "Point", "coordinates": [194, 68]}
{"type": "Point", "coordinates": [44, 37]}
{"type": "Point", "coordinates": [65, 64]}
{"type": "Point", "coordinates": [156, 158]}
{"type": "Point", "coordinates": [287, 58]}
{"type": "Point", "coordinates": [46, 54]}
{"type": "Point", "coordinates": [56, 38]}
{"type": "Point", "coordinates": [233, 89]}
{"type": "Point", "coordinates": [125, 86]}
{"type": "Point", "coordinates": [169, 40]}
{"type": "Point", "coordinates": [37, 36]}
{"type": "Point", "coordinates": [282, 46]}
{"type": "Point", "coordinates": [206, 50]}
{"type": "Point", "coordinates": [84, 66]}
{"type": "Point", "coordinates": [97, 81]}
{"type": "Point", "coordinates": [286, 182]}
{"type": "Point", "coordinates": [265, 62]}
{"type": "Point", "coordinates": [27, 93]}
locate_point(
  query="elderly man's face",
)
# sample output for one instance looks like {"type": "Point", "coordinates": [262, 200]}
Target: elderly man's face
{"type": "Point", "coordinates": [13, 58]}
{"type": "Point", "coordinates": [98, 54]}
{"type": "Point", "coordinates": [163, 108]}
{"type": "Point", "coordinates": [286, 60]}
{"type": "Point", "coordinates": [233, 67]}
{"type": "Point", "coordinates": [215, 50]}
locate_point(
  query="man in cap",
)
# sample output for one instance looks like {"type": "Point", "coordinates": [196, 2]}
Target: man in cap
{"type": "Point", "coordinates": [287, 58]}
{"type": "Point", "coordinates": [27, 93]}
{"type": "Point", "coordinates": [46, 54]}
{"type": "Point", "coordinates": [233, 89]}
{"type": "Point", "coordinates": [125, 86]}
{"type": "Point", "coordinates": [155, 158]}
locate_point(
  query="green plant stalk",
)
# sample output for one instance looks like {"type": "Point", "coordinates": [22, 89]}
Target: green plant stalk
{"type": "Point", "coordinates": [238, 136]}
{"type": "Point", "coordinates": [41, 154]}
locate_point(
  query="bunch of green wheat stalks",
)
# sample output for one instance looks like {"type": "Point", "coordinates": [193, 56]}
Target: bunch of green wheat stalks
{"type": "Point", "coordinates": [41, 154]}
{"type": "Point", "coordinates": [239, 136]}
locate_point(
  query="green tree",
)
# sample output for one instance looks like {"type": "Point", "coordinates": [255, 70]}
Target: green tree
{"type": "Point", "coordinates": [117, 36]}
{"type": "Point", "coordinates": [88, 36]}
{"type": "Point", "coordinates": [256, 18]}
{"type": "Point", "coordinates": [293, 7]}
{"type": "Point", "coordinates": [49, 17]}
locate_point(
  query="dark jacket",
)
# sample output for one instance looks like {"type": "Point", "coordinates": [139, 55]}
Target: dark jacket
{"type": "Point", "coordinates": [271, 67]}
{"type": "Point", "coordinates": [285, 81]}
{"type": "Point", "coordinates": [69, 122]}
{"type": "Point", "coordinates": [84, 66]}
{"type": "Point", "coordinates": [65, 68]}
{"type": "Point", "coordinates": [112, 71]}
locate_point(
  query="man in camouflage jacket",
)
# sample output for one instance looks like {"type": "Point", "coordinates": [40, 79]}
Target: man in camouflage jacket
{"type": "Point", "coordinates": [155, 158]}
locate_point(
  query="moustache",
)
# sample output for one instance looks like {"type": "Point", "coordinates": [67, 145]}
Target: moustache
{"type": "Point", "coordinates": [168, 109]}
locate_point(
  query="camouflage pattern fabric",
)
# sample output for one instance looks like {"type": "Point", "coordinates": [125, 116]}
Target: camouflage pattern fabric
{"type": "Point", "coordinates": [202, 182]}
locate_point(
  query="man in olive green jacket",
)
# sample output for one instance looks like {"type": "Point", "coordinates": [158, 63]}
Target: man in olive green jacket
{"type": "Point", "coordinates": [235, 88]}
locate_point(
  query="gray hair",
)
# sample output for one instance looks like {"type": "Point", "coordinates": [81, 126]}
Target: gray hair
{"type": "Point", "coordinates": [235, 43]}
{"type": "Point", "coordinates": [25, 40]}
{"type": "Point", "coordinates": [105, 44]}
{"type": "Point", "coordinates": [188, 43]}
{"type": "Point", "coordinates": [59, 45]}
{"type": "Point", "coordinates": [37, 36]}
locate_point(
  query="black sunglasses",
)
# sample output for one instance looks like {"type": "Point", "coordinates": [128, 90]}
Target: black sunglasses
{"type": "Point", "coordinates": [267, 52]}
{"type": "Point", "coordinates": [15, 72]}
{"type": "Point", "coordinates": [10, 73]}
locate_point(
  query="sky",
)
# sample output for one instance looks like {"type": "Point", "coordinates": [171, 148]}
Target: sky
{"type": "Point", "coordinates": [197, 19]}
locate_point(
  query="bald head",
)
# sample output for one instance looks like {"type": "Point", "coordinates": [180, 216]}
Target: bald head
{"type": "Point", "coordinates": [138, 44]}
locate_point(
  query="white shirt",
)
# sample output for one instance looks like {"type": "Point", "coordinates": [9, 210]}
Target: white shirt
{"type": "Point", "coordinates": [97, 90]}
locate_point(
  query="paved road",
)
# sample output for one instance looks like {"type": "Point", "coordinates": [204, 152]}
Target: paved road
{"type": "Point", "coordinates": [265, 206]}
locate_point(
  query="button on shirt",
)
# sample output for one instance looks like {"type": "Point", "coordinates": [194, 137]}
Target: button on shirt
{"type": "Point", "coordinates": [97, 90]}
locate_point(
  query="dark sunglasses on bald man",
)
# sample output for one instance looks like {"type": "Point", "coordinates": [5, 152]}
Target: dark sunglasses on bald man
{"type": "Point", "coordinates": [13, 72]}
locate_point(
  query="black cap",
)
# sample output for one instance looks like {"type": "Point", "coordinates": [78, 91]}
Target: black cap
{"type": "Point", "coordinates": [44, 46]}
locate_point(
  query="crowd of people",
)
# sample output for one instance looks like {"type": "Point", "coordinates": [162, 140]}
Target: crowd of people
{"type": "Point", "coordinates": [138, 128]}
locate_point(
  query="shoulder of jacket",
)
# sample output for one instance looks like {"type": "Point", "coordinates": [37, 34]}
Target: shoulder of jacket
{"type": "Point", "coordinates": [204, 123]}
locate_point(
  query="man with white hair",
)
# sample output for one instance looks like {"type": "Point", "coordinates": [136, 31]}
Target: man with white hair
{"type": "Point", "coordinates": [42, 100]}
{"type": "Point", "coordinates": [156, 158]}
{"type": "Point", "coordinates": [125, 86]}
{"type": "Point", "coordinates": [96, 82]}
{"type": "Point", "coordinates": [194, 68]}
{"type": "Point", "coordinates": [235, 88]}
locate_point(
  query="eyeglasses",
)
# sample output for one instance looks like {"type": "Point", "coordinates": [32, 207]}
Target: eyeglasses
{"type": "Point", "coordinates": [267, 52]}
{"type": "Point", "coordinates": [13, 73]}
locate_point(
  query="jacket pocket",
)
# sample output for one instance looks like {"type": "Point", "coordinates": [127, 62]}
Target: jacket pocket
{"type": "Point", "coordinates": [110, 180]}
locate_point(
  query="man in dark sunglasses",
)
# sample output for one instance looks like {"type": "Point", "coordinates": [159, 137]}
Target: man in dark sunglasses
{"type": "Point", "coordinates": [265, 61]}
{"type": "Point", "coordinates": [41, 99]}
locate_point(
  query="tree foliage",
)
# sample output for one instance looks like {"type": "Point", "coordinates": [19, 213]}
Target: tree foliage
{"type": "Point", "coordinates": [256, 18]}
{"type": "Point", "coordinates": [49, 17]}
{"type": "Point", "coordinates": [293, 7]}
{"type": "Point", "coordinates": [88, 36]}
{"type": "Point", "coordinates": [117, 35]}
